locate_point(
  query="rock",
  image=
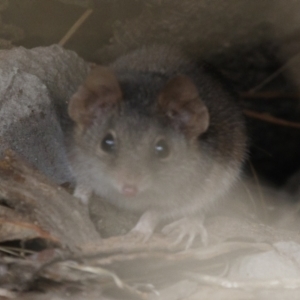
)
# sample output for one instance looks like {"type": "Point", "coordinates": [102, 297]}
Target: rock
{"type": "Point", "coordinates": [35, 86]}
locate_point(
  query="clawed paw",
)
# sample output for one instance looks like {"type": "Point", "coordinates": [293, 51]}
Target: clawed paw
{"type": "Point", "coordinates": [144, 228]}
{"type": "Point", "coordinates": [186, 229]}
{"type": "Point", "coordinates": [83, 193]}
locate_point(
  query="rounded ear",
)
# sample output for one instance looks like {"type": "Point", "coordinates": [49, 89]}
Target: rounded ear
{"type": "Point", "coordinates": [101, 91]}
{"type": "Point", "coordinates": [180, 102]}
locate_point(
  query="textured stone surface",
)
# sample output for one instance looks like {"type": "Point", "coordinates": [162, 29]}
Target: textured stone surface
{"type": "Point", "coordinates": [34, 84]}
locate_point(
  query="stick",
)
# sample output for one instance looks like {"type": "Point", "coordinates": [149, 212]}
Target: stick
{"type": "Point", "coordinates": [270, 119]}
{"type": "Point", "coordinates": [275, 74]}
{"type": "Point", "coordinates": [269, 95]}
{"type": "Point", "coordinates": [75, 27]}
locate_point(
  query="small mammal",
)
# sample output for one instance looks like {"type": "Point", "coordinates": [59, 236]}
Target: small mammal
{"type": "Point", "coordinates": [155, 134]}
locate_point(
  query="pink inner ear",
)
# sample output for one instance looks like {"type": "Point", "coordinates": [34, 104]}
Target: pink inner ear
{"type": "Point", "coordinates": [100, 91]}
{"type": "Point", "coordinates": [179, 100]}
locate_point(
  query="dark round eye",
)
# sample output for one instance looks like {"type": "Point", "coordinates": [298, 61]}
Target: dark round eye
{"type": "Point", "coordinates": [162, 149]}
{"type": "Point", "coordinates": [108, 143]}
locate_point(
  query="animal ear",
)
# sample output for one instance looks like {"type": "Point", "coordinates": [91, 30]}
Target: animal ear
{"type": "Point", "coordinates": [180, 102]}
{"type": "Point", "coordinates": [101, 91]}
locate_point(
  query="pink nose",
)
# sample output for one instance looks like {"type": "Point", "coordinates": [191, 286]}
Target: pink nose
{"type": "Point", "coordinates": [129, 190]}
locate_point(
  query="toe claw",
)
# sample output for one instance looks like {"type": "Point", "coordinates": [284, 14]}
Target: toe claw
{"type": "Point", "coordinates": [190, 241]}
{"type": "Point", "coordinates": [186, 228]}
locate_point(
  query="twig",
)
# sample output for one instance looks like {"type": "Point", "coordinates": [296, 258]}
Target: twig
{"type": "Point", "coordinates": [95, 270]}
{"type": "Point", "coordinates": [201, 254]}
{"type": "Point", "coordinates": [269, 95]}
{"type": "Point", "coordinates": [286, 283]}
{"type": "Point", "coordinates": [259, 190]}
{"type": "Point", "coordinates": [274, 75]}
{"type": "Point", "coordinates": [270, 119]}
{"type": "Point", "coordinates": [249, 196]}
{"type": "Point", "coordinates": [16, 251]}
{"type": "Point", "coordinates": [75, 27]}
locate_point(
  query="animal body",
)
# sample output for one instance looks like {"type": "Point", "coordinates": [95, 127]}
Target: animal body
{"type": "Point", "coordinates": [155, 134]}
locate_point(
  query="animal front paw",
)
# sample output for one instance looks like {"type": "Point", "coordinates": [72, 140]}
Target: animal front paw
{"type": "Point", "coordinates": [186, 229]}
{"type": "Point", "coordinates": [144, 228]}
{"type": "Point", "coordinates": [83, 193]}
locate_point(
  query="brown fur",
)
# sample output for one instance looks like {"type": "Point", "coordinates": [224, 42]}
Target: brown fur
{"type": "Point", "coordinates": [100, 91]}
{"type": "Point", "coordinates": [180, 102]}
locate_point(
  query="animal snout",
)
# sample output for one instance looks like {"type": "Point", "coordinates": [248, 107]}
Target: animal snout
{"type": "Point", "coordinates": [129, 190]}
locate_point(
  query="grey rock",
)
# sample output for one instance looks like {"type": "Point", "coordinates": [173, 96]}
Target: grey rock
{"type": "Point", "coordinates": [34, 85]}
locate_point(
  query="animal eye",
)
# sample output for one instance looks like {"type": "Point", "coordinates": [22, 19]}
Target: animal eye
{"type": "Point", "coordinates": [162, 149]}
{"type": "Point", "coordinates": [108, 143]}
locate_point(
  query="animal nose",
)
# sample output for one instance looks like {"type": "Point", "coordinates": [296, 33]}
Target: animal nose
{"type": "Point", "coordinates": [129, 190]}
